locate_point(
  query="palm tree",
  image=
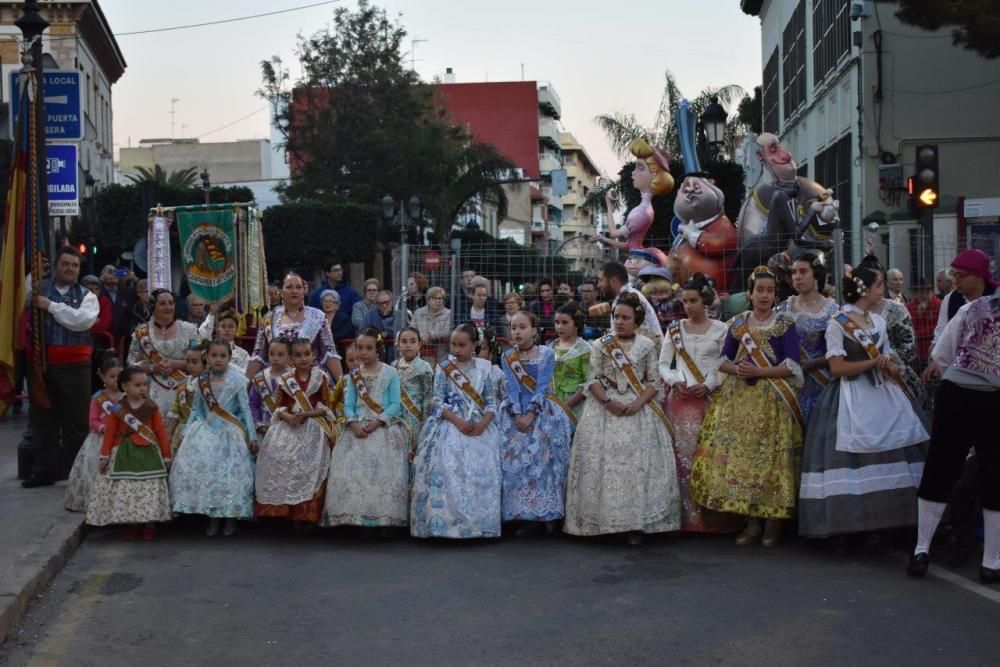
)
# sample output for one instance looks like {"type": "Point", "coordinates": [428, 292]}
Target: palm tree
{"type": "Point", "coordinates": [622, 128]}
{"type": "Point", "coordinates": [181, 180]}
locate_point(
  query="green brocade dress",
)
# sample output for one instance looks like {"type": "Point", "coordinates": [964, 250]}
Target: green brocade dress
{"type": "Point", "coordinates": [572, 367]}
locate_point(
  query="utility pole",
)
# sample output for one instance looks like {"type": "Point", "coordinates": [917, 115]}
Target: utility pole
{"type": "Point", "coordinates": [413, 52]}
{"type": "Point", "coordinates": [173, 113]}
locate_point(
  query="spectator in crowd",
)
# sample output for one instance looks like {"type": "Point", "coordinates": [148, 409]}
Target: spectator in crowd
{"type": "Point", "coordinates": [416, 287]}
{"type": "Point", "coordinates": [942, 283]}
{"type": "Point", "coordinates": [334, 272]}
{"type": "Point", "coordinates": [329, 302]}
{"type": "Point", "coordinates": [433, 321]}
{"type": "Point", "coordinates": [103, 323]}
{"type": "Point", "coordinates": [116, 286]}
{"type": "Point", "coordinates": [197, 309]}
{"type": "Point", "coordinates": [512, 303]}
{"type": "Point", "coordinates": [564, 293]}
{"type": "Point", "coordinates": [60, 427]}
{"type": "Point", "coordinates": [545, 309]}
{"type": "Point", "coordinates": [383, 318]}
{"type": "Point", "coordinates": [613, 282]}
{"type": "Point", "coordinates": [273, 295]}
{"type": "Point", "coordinates": [924, 309]}
{"type": "Point", "coordinates": [894, 286]}
{"type": "Point", "coordinates": [141, 309]}
{"type": "Point", "coordinates": [593, 327]}
{"type": "Point", "coordinates": [464, 300]}
{"type": "Point", "coordinates": [478, 313]}
{"type": "Point", "coordinates": [361, 308]}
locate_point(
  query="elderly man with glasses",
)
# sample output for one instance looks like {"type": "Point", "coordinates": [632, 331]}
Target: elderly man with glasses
{"type": "Point", "coordinates": [383, 318]}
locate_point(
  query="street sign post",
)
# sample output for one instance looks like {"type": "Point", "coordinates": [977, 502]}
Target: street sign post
{"type": "Point", "coordinates": [63, 176]}
{"type": "Point", "coordinates": [63, 105]}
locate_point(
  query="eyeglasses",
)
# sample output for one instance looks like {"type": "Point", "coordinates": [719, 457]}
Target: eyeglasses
{"type": "Point", "coordinates": [435, 298]}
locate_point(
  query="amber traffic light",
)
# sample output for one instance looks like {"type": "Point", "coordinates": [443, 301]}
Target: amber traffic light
{"type": "Point", "coordinates": [924, 188]}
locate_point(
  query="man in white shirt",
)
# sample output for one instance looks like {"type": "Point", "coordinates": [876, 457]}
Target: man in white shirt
{"type": "Point", "coordinates": [612, 281]}
{"type": "Point", "coordinates": [70, 312]}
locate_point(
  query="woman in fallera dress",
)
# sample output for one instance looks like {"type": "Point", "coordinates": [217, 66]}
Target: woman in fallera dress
{"type": "Point", "coordinates": [812, 311]}
{"type": "Point", "coordinates": [865, 447]}
{"type": "Point", "coordinates": [750, 450]}
{"type": "Point", "coordinates": [689, 366]}
{"type": "Point", "coordinates": [457, 479]}
{"type": "Point", "coordinates": [622, 473]}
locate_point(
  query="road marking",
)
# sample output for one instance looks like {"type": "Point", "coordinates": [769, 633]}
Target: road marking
{"type": "Point", "coordinates": [52, 650]}
{"type": "Point", "coordinates": [982, 591]}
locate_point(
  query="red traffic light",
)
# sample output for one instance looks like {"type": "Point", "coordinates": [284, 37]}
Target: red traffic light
{"type": "Point", "coordinates": [82, 248]}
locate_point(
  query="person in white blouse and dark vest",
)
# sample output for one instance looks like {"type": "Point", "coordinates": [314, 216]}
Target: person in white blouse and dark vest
{"type": "Point", "coordinates": [71, 311]}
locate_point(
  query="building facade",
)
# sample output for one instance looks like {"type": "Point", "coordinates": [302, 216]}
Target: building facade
{"type": "Point", "coordinates": [80, 38]}
{"type": "Point", "coordinates": [852, 91]}
{"type": "Point", "coordinates": [579, 223]}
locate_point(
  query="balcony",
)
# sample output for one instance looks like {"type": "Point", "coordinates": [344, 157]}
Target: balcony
{"type": "Point", "coordinates": [553, 201]}
{"type": "Point", "coordinates": [548, 162]}
{"type": "Point", "coordinates": [548, 133]}
{"type": "Point", "coordinates": [548, 100]}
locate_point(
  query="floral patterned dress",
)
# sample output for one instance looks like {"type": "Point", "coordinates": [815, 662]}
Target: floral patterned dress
{"type": "Point", "coordinates": [903, 339]}
{"type": "Point", "coordinates": [811, 328]}
{"type": "Point", "coordinates": [572, 368]}
{"type": "Point", "coordinates": [622, 471]}
{"type": "Point", "coordinates": [293, 462]}
{"type": "Point", "coordinates": [369, 479]}
{"type": "Point", "coordinates": [534, 463]}
{"type": "Point", "coordinates": [687, 413]}
{"type": "Point", "coordinates": [213, 471]}
{"type": "Point", "coordinates": [750, 450]}
{"type": "Point", "coordinates": [85, 465]}
{"type": "Point", "coordinates": [457, 480]}
{"type": "Point", "coordinates": [313, 327]}
{"type": "Point", "coordinates": [162, 390]}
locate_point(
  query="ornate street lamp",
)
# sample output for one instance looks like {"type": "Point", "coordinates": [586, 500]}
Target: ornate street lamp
{"type": "Point", "coordinates": [412, 211]}
{"type": "Point", "coordinates": [712, 127]}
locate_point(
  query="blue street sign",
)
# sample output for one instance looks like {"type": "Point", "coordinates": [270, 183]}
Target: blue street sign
{"type": "Point", "coordinates": [63, 105]}
{"type": "Point", "coordinates": [63, 175]}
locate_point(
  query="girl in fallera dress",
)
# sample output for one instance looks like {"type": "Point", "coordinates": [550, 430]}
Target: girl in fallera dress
{"type": "Point", "coordinates": [622, 471]}
{"type": "Point", "coordinates": [572, 357]}
{"type": "Point", "coordinates": [865, 446]}
{"type": "Point", "coordinates": [537, 428]}
{"type": "Point", "coordinates": [131, 488]}
{"type": "Point", "coordinates": [180, 412]}
{"type": "Point", "coordinates": [229, 324]}
{"type": "Point", "coordinates": [750, 450]}
{"type": "Point", "coordinates": [294, 456]}
{"type": "Point", "coordinates": [214, 469]}
{"type": "Point", "coordinates": [84, 472]}
{"type": "Point", "coordinates": [489, 350]}
{"type": "Point", "coordinates": [457, 479]}
{"type": "Point", "coordinates": [416, 381]}
{"type": "Point", "coordinates": [265, 387]}
{"type": "Point", "coordinates": [689, 365]}
{"type": "Point", "coordinates": [369, 479]}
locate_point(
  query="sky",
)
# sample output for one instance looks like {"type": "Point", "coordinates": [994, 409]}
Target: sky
{"type": "Point", "coordinates": [601, 57]}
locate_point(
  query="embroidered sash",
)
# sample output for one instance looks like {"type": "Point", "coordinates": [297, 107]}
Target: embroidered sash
{"type": "Point", "coordinates": [146, 344]}
{"type": "Point", "coordinates": [524, 378]}
{"type": "Point", "coordinates": [674, 331]}
{"type": "Point", "coordinates": [410, 406]}
{"type": "Point", "coordinates": [624, 364]}
{"type": "Point", "coordinates": [871, 349]}
{"type": "Point", "coordinates": [135, 425]}
{"type": "Point", "coordinates": [785, 391]}
{"type": "Point", "coordinates": [183, 405]}
{"type": "Point", "coordinates": [205, 387]}
{"type": "Point", "coordinates": [107, 405]}
{"type": "Point", "coordinates": [361, 387]}
{"type": "Point", "coordinates": [263, 388]}
{"type": "Point", "coordinates": [464, 384]}
{"type": "Point", "coordinates": [294, 389]}
{"type": "Point", "coordinates": [821, 375]}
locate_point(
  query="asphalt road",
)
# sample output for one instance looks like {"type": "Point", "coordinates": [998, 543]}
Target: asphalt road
{"type": "Point", "coordinates": [265, 597]}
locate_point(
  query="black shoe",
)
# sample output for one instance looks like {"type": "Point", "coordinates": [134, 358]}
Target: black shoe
{"type": "Point", "coordinates": [989, 575]}
{"type": "Point", "coordinates": [918, 565]}
{"type": "Point", "coordinates": [35, 481]}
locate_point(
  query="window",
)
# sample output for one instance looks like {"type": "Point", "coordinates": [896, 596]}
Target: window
{"type": "Point", "coordinates": [831, 35]}
{"type": "Point", "coordinates": [769, 97]}
{"type": "Point", "coordinates": [833, 170]}
{"type": "Point", "coordinates": [793, 61]}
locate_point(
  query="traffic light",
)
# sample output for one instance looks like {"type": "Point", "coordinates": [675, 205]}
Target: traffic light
{"type": "Point", "coordinates": [924, 188]}
{"type": "Point", "coordinates": [82, 248]}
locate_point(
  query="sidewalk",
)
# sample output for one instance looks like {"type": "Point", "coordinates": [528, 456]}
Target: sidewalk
{"type": "Point", "coordinates": [38, 535]}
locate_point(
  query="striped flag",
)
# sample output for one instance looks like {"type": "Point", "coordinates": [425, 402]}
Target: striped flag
{"type": "Point", "coordinates": [15, 249]}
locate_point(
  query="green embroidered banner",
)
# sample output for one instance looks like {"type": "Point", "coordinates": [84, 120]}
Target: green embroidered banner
{"type": "Point", "coordinates": [208, 251]}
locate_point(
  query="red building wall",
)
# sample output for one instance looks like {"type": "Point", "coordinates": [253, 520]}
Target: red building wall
{"type": "Point", "coordinates": [504, 114]}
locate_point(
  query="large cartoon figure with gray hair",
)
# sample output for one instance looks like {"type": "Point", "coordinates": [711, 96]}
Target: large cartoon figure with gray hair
{"type": "Point", "coordinates": [785, 212]}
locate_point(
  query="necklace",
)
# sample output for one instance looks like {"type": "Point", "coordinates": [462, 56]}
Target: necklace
{"type": "Point", "coordinates": [292, 315]}
{"type": "Point", "coordinates": [818, 299]}
{"type": "Point", "coordinates": [163, 327]}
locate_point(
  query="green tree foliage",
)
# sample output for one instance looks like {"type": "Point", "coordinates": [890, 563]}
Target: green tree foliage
{"type": "Point", "coordinates": [750, 112]}
{"type": "Point", "coordinates": [185, 178]}
{"type": "Point", "coordinates": [975, 23]}
{"type": "Point", "coordinates": [119, 219]}
{"type": "Point", "coordinates": [359, 124]}
{"type": "Point", "coordinates": [342, 230]}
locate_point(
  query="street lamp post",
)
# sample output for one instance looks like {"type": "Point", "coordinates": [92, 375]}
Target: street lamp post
{"type": "Point", "coordinates": [712, 129]}
{"type": "Point", "coordinates": [206, 186]}
{"type": "Point", "coordinates": [414, 208]}
{"type": "Point", "coordinates": [88, 202]}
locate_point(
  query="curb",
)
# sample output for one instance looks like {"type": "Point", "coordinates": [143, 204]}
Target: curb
{"type": "Point", "coordinates": [16, 603]}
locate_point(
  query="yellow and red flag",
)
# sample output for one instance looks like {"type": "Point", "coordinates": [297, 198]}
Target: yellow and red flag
{"type": "Point", "coordinates": [16, 245]}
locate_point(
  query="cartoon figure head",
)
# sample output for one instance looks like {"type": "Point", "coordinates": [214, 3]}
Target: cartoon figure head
{"type": "Point", "coordinates": [698, 199]}
{"type": "Point", "coordinates": [776, 159]}
{"type": "Point", "coordinates": [652, 169]}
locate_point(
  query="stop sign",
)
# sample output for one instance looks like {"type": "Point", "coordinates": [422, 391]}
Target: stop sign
{"type": "Point", "coordinates": [432, 261]}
